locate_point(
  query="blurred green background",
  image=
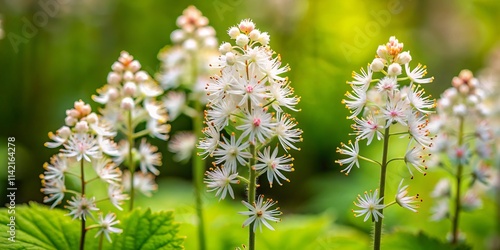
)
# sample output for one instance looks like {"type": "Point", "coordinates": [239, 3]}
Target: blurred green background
{"type": "Point", "coordinates": [52, 56]}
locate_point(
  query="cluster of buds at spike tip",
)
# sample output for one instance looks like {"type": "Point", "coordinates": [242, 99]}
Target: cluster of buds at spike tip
{"type": "Point", "coordinates": [85, 141]}
{"type": "Point", "coordinates": [247, 111]}
{"type": "Point", "coordinates": [130, 101]}
{"type": "Point", "coordinates": [184, 71]}
{"type": "Point", "coordinates": [465, 139]}
{"type": "Point", "coordinates": [386, 96]}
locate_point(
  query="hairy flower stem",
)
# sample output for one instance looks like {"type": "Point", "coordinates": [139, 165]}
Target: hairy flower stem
{"type": "Point", "coordinates": [131, 167]}
{"type": "Point", "coordinates": [383, 169]}
{"type": "Point", "coordinates": [455, 219]}
{"type": "Point", "coordinates": [84, 230]}
{"type": "Point", "coordinates": [198, 170]}
{"type": "Point", "coordinates": [252, 186]}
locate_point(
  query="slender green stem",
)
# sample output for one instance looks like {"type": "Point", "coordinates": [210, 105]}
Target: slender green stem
{"type": "Point", "coordinates": [131, 167]}
{"type": "Point", "coordinates": [198, 172]}
{"type": "Point", "coordinates": [455, 219]}
{"type": "Point", "coordinates": [252, 186]}
{"type": "Point", "coordinates": [84, 230]}
{"type": "Point", "coordinates": [243, 179]}
{"type": "Point", "coordinates": [395, 159]}
{"type": "Point", "coordinates": [369, 160]}
{"type": "Point", "coordinates": [101, 237]}
{"type": "Point", "coordinates": [141, 133]}
{"type": "Point", "coordinates": [377, 237]}
{"type": "Point", "coordinates": [399, 133]}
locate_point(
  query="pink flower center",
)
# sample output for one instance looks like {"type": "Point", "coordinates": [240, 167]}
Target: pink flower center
{"type": "Point", "coordinates": [256, 122]}
{"type": "Point", "coordinates": [249, 89]}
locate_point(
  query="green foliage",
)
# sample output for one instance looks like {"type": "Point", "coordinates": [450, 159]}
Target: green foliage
{"type": "Point", "coordinates": [38, 227]}
{"type": "Point", "coordinates": [419, 241]}
{"type": "Point", "coordinates": [147, 230]}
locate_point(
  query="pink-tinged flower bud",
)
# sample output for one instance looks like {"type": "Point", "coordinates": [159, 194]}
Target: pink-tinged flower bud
{"type": "Point", "coordinates": [130, 88]}
{"type": "Point", "coordinates": [79, 105]}
{"type": "Point", "coordinates": [92, 118]}
{"type": "Point", "coordinates": [181, 21]}
{"type": "Point", "coordinates": [85, 110]}
{"type": "Point", "coordinates": [128, 76]}
{"type": "Point", "coordinates": [202, 21]}
{"type": "Point", "coordinates": [404, 57]}
{"type": "Point", "coordinates": [242, 40]}
{"type": "Point", "coordinates": [113, 94]}
{"type": "Point", "coordinates": [190, 45]}
{"type": "Point", "coordinates": [141, 76]}
{"type": "Point", "coordinates": [466, 75]}
{"type": "Point", "coordinates": [233, 32]}
{"type": "Point", "coordinates": [127, 103]}
{"type": "Point", "coordinates": [382, 52]}
{"type": "Point", "coordinates": [254, 35]}
{"type": "Point", "coordinates": [73, 113]}
{"type": "Point", "coordinates": [114, 78]}
{"type": "Point", "coordinates": [394, 69]}
{"type": "Point", "coordinates": [70, 121]}
{"type": "Point", "coordinates": [246, 26]}
{"type": "Point", "coordinates": [230, 58]}
{"type": "Point", "coordinates": [117, 66]}
{"type": "Point", "coordinates": [82, 127]}
{"type": "Point", "coordinates": [456, 82]}
{"type": "Point", "coordinates": [177, 36]}
{"type": "Point", "coordinates": [134, 66]}
{"type": "Point", "coordinates": [224, 48]}
{"type": "Point", "coordinates": [377, 65]}
{"type": "Point", "coordinates": [64, 132]}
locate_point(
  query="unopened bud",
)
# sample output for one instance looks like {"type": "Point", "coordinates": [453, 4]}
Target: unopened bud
{"type": "Point", "coordinates": [82, 127]}
{"type": "Point", "coordinates": [134, 66]}
{"type": "Point", "coordinates": [114, 78]}
{"type": "Point", "coordinates": [233, 32]}
{"type": "Point", "coordinates": [127, 103]}
{"type": "Point", "coordinates": [224, 48]}
{"type": "Point", "coordinates": [377, 65]}
{"type": "Point", "coordinates": [130, 88]}
{"type": "Point", "coordinates": [242, 40]}
{"type": "Point", "coordinates": [404, 57]}
{"type": "Point", "coordinates": [394, 69]}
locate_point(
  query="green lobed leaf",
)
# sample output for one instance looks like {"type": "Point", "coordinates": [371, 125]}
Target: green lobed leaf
{"type": "Point", "coordinates": [419, 241]}
{"type": "Point", "coordinates": [146, 230]}
{"type": "Point", "coordinates": [39, 227]}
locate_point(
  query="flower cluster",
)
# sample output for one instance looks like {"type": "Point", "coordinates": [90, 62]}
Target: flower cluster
{"type": "Point", "coordinates": [246, 113]}
{"type": "Point", "coordinates": [386, 100]}
{"type": "Point", "coordinates": [184, 72]}
{"type": "Point", "coordinates": [85, 139]}
{"type": "Point", "coordinates": [465, 140]}
{"type": "Point", "coordinates": [129, 99]}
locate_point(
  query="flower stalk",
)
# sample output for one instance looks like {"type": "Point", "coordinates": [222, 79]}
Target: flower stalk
{"type": "Point", "coordinates": [383, 172]}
